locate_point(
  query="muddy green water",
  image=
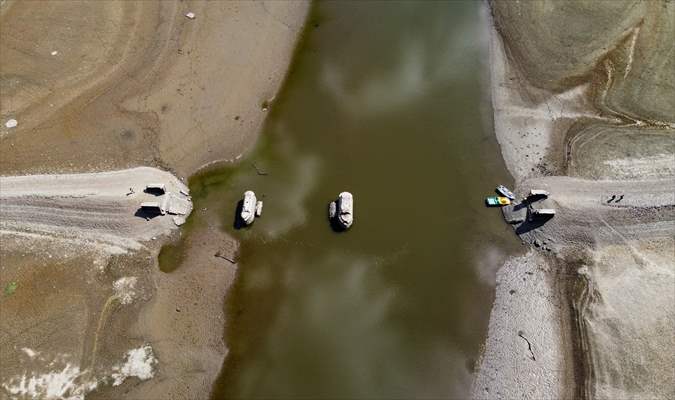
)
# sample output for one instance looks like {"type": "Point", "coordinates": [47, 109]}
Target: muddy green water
{"type": "Point", "coordinates": [383, 100]}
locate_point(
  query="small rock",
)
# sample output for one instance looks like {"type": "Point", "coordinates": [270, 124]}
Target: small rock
{"type": "Point", "coordinates": [54, 52]}
{"type": "Point", "coordinates": [190, 15]}
{"type": "Point", "coordinates": [11, 123]}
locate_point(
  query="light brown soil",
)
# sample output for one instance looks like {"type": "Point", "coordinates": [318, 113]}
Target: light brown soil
{"type": "Point", "coordinates": [138, 83]}
{"type": "Point", "coordinates": [65, 317]}
{"type": "Point", "coordinates": [100, 86]}
{"type": "Point", "coordinates": [184, 322]}
{"type": "Point", "coordinates": [627, 319]}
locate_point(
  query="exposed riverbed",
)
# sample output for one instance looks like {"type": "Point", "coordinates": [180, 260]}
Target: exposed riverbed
{"type": "Point", "coordinates": [385, 102]}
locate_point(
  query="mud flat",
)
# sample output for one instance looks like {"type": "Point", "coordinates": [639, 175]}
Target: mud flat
{"type": "Point", "coordinates": [123, 84]}
{"type": "Point", "coordinates": [85, 306]}
{"type": "Point", "coordinates": [88, 308]}
{"type": "Point", "coordinates": [96, 87]}
{"type": "Point", "coordinates": [100, 208]}
{"type": "Point", "coordinates": [603, 268]}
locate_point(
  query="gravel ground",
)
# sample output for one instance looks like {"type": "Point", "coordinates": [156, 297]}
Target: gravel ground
{"type": "Point", "coordinates": [603, 266]}
{"type": "Point", "coordinates": [523, 357]}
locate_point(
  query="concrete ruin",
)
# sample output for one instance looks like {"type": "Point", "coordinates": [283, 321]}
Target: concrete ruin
{"type": "Point", "coordinates": [249, 207]}
{"type": "Point", "coordinates": [341, 211]}
{"type": "Point", "coordinates": [176, 204]}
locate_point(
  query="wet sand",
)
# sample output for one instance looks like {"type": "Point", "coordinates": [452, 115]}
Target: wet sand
{"type": "Point", "coordinates": [601, 266]}
{"type": "Point", "coordinates": [100, 86]}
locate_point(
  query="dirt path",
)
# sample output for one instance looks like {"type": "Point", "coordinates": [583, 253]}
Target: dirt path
{"type": "Point", "coordinates": [585, 215]}
{"type": "Point", "coordinates": [101, 208]}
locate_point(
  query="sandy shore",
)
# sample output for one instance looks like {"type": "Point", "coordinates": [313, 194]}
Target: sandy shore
{"type": "Point", "coordinates": [89, 291]}
{"type": "Point", "coordinates": [601, 273]}
{"type": "Point", "coordinates": [138, 83]}
{"type": "Point", "coordinates": [523, 357]}
{"type": "Point", "coordinates": [99, 86]}
{"type": "Point", "coordinates": [77, 249]}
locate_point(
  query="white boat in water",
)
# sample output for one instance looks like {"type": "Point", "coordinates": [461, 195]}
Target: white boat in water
{"type": "Point", "coordinates": [248, 207]}
{"type": "Point", "coordinates": [342, 210]}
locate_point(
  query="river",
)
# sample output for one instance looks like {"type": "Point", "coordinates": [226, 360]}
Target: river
{"type": "Point", "coordinates": [387, 101]}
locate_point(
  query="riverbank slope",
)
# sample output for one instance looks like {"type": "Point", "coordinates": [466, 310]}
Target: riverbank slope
{"type": "Point", "coordinates": [123, 84]}
{"type": "Point", "coordinates": [97, 87]}
{"type": "Point", "coordinates": [603, 267]}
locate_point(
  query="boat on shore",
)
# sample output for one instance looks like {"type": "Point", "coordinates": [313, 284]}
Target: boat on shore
{"type": "Point", "coordinates": [504, 191]}
{"type": "Point", "coordinates": [497, 201]}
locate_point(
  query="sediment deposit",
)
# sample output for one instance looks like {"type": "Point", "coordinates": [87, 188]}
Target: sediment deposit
{"type": "Point", "coordinates": [122, 84]}
{"type": "Point", "coordinates": [98, 87]}
{"type": "Point", "coordinates": [585, 89]}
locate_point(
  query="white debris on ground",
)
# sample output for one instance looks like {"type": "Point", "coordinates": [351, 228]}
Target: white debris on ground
{"type": "Point", "coordinates": [190, 15]}
{"type": "Point", "coordinates": [65, 384]}
{"type": "Point", "coordinates": [124, 289]}
{"type": "Point", "coordinates": [11, 123]}
{"type": "Point", "coordinates": [54, 52]}
{"type": "Point", "coordinates": [30, 352]}
{"type": "Point", "coordinates": [140, 363]}
{"type": "Point", "coordinates": [65, 381]}
{"type": "Point", "coordinates": [176, 205]}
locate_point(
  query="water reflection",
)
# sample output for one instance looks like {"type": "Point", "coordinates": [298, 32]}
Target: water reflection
{"type": "Point", "coordinates": [344, 304]}
{"type": "Point", "coordinates": [384, 102]}
{"type": "Point", "coordinates": [291, 176]}
{"type": "Point", "coordinates": [429, 55]}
